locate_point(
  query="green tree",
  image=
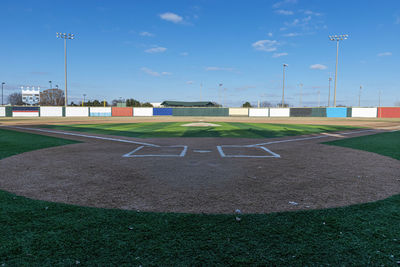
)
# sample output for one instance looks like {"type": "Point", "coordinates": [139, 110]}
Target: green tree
{"type": "Point", "coordinates": [246, 105]}
{"type": "Point", "coordinates": [147, 104]}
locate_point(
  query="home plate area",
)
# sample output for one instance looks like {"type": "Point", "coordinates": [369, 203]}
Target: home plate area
{"type": "Point", "coordinates": [225, 151]}
{"type": "Point", "coordinates": [158, 151]}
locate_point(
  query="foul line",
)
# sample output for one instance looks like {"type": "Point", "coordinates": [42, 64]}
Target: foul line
{"type": "Point", "coordinates": [222, 153]}
{"type": "Point", "coordinates": [133, 155]}
{"type": "Point", "coordinates": [86, 136]}
{"type": "Point", "coordinates": [306, 138]}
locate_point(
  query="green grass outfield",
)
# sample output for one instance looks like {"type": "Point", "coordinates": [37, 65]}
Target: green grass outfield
{"type": "Point", "coordinates": [41, 233]}
{"type": "Point", "coordinates": [175, 129]}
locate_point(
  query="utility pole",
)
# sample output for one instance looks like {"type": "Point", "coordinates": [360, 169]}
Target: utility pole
{"type": "Point", "coordinates": [83, 103]}
{"type": "Point", "coordinates": [2, 84]}
{"type": "Point", "coordinates": [301, 94]}
{"type": "Point", "coordinates": [219, 94]}
{"type": "Point", "coordinates": [379, 98]}
{"type": "Point", "coordinates": [201, 88]}
{"type": "Point", "coordinates": [329, 93]}
{"type": "Point", "coordinates": [337, 38]}
{"type": "Point", "coordinates": [283, 86]}
{"type": "Point", "coordinates": [359, 97]}
{"type": "Point", "coordinates": [65, 37]}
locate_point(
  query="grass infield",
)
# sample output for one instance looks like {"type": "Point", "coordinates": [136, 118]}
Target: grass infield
{"type": "Point", "coordinates": [41, 233]}
{"type": "Point", "coordinates": [175, 129]}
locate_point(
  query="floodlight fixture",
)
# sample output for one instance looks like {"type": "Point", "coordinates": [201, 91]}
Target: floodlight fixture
{"type": "Point", "coordinates": [337, 38]}
{"type": "Point", "coordinates": [65, 36]}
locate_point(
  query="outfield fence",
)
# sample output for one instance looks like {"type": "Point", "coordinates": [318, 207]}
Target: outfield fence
{"type": "Point", "coordinates": [329, 112]}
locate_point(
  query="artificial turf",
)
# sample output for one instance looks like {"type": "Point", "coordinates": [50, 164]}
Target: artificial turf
{"type": "Point", "coordinates": [387, 144]}
{"type": "Point", "coordinates": [51, 234]}
{"type": "Point", "coordinates": [13, 143]}
{"type": "Point", "coordinates": [175, 129]}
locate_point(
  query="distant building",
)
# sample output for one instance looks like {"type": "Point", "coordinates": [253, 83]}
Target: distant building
{"type": "Point", "coordinates": [31, 97]}
{"type": "Point", "coordinates": [187, 104]}
{"type": "Point", "coordinates": [156, 104]}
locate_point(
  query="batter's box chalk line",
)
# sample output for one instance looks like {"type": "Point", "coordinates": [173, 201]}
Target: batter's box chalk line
{"type": "Point", "coordinates": [133, 154]}
{"type": "Point", "coordinates": [269, 153]}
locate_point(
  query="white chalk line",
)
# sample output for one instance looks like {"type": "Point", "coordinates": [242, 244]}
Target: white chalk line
{"type": "Point", "coordinates": [133, 155]}
{"type": "Point", "coordinates": [307, 138]}
{"type": "Point", "coordinates": [84, 135]}
{"type": "Point", "coordinates": [222, 153]}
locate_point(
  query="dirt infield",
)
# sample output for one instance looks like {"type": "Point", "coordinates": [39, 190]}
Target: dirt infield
{"type": "Point", "coordinates": [192, 175]}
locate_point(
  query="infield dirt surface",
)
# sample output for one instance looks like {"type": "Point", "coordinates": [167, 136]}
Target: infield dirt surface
{"type": "Point", "coordinates": [308, 174]}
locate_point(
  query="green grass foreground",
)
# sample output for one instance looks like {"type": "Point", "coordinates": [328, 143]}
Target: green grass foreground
{"type": "Point", "coordinates": [13, 143]}
{"type": "Point", "coordinates": [387, 144]}
{"type": "Point", "coordinates": [175, 129]}
{"type": "Point", "coordinates": [40, 233]}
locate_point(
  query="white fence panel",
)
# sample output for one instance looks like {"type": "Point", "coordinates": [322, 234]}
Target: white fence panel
{"type": "Point", "coordinates": [25, 114]}
{"type": "Point", "coordinates": [77, 112]}
{"type": "Point", "coordinates": [100, 111]}
{"type": "Point", "coordinates": [2, 111]}
{"type": "Point", "coordinates": [238, 112]}
{"type": "Point", "coordinates": [279, 112]}
{"type": "Point", "coordinates": [51, 111]}
{"type": "Point", "coordinates": [364, 112]}
{"type": "Point", "coordinates": [258, 112]}
{"type": "Point", "coordinates": [142, 112]}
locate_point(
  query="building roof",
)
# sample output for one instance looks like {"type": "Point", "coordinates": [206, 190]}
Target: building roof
{"type": "Point", "coordinates": [187, 104]}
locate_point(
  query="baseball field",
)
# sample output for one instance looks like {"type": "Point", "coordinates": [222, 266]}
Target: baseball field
{"type": "Point", "coordinates": [199, 191]}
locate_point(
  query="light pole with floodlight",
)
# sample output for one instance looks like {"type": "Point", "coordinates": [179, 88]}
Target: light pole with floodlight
{"type": "Point", "coordinates": [283, 86]}
{"type": "Point", "coordinates": [337, 38]}
{"type": "Point", "coordinates": [65, 36]}
{"type": "Point", "coordinates": [2, 84]}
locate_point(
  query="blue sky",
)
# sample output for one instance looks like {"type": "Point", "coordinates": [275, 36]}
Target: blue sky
{"type": "Point", "coordinates": [164, 50]}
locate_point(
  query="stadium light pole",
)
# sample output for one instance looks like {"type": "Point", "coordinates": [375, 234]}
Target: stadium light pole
{"type": "Point", "coordinates": [301, 94]}
{"type": "Point", "coordinates": [329, 92]}
{"type": "Point", "coordinates": [283, 86]}
{"type": "Point", "coordinates": [219, 94]}
{"type": "Point", "coordinates": [84, 95]}
{"type": "Point", "coordinates": [65, 36]}
{"type": "Point", "coordinates": [337, 38]}
{"type": "Point", "coordinates": [2, 84]}
{"type": "Point", "coordinates": [50, 85]}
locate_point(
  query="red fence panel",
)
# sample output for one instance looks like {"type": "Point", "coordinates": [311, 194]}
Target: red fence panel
{"type": "Point", "coordinates": [121, 112]}
{"type": "Point", "coordinates": [388, 112]}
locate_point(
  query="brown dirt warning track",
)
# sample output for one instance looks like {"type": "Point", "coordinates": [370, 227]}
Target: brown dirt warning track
{"type": "Point", "coordinates": [203, 175]}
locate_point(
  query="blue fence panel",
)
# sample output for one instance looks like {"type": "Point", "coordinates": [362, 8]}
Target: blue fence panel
{"type": "Point", "coordinates": [100, 114]}
{"type": "Point", "coordinates": [25, 109]}
{"type": "Point", "coordinates": [162, 111]}
{"type": "Point", "coordinates": [336, 112]}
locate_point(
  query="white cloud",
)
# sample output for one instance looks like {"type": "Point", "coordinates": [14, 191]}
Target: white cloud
{"type": "Point", "coordinates": [283, 2]}
{"type": "Point", "coordinates": [184, 54]}
{"type": "Point", "coordinates": [284, 12]}
{"type": "Point", "coordinates": [276, 55]}
{"type": "Point", "coordinates": [265, 45]}
{"type": "Point", "coordinates": [157, 49]}
{"type": "Point", "coordinates": [189, 82]}
{"type": "Point", "coordinates": [309, 12]}
{"type": "Point", "coordinates": [172, 17]}
{"type": "Point", "coordinates": [318, 67]}
{"type": "Point", "coordinates": [384, 54]}
{"type": "Point", "coordinates": [147, 34]}
{"type": "Point", "coordinates": [218, 69]}
{"type": "Point", "coordinates": [154, 73]}
{"type": "Point", "coordinates": [270, 34]}
{"type": "Point", "coordinates": [292, 34]}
